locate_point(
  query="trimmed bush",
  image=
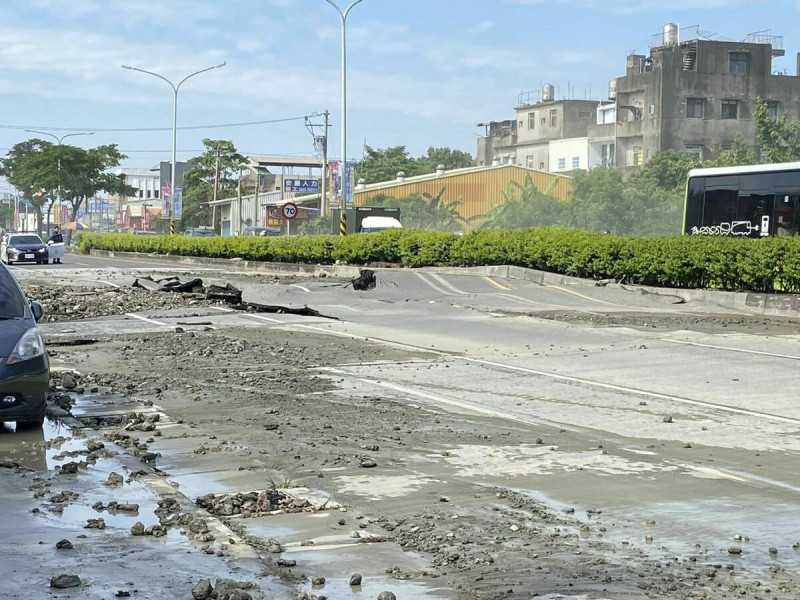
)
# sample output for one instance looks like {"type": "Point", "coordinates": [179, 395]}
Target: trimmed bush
{"type": "Point", "coordinates": [761, 265]}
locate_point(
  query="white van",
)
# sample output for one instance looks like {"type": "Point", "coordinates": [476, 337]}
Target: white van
{"type": "Point", "coordinates": [376, 224]}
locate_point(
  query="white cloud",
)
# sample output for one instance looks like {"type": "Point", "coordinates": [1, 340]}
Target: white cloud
{"type": "Point", "coordinates": [481, 27]}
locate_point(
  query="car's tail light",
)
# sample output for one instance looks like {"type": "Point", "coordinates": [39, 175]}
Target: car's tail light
{"type": "Point", "coordinates": [30, 346]}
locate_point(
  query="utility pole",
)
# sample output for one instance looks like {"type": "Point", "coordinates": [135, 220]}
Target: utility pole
{"type": "Point", "coordinates": [239, 198]}
{"type": "Point", "coordinates": [323, 203]}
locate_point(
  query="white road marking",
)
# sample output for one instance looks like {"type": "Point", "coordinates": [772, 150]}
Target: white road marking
{"type": "Point", "coordinates": [221, 309]}
{"type": "Point", "coordinates": [263, 318]}
{"type": "Point", "coordinates": [629, 390]}
{"type": "Point", "coordinates": [579, 295]}
{"type": "Point", "coordinates": [305, 289]}
{"type": "Point", "coordinates": [433, 285]}
{"type": "Point", "coordinates": [114, 285]}
{"type": "Point", "coordinates": [476, 408]}
{"type": "Point", "coordinates": [498, 285]}
{"type": "Point", "coordinates": [729, 349]}
{"type": "Point", "coordinates": [146, 320]}
{"type": "Point", "coordinates": [447, 284]}
{"type": "Point", "coordinates": [522, 300]}
{"type": "Point", "coordinates": [342, 306]}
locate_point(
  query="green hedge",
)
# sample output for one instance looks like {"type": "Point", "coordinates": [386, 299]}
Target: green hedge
{"type": "Point", "coordinates": [771, 264]}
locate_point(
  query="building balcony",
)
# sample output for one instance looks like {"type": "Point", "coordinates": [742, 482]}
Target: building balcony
{"type": "Point", "coordinates": [630, 128]}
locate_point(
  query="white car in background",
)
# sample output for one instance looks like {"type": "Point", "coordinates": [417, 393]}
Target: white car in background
{"type": "Point", "coordinates": [376, 224]}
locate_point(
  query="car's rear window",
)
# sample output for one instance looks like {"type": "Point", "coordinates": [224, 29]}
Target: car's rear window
{"type": "Point", "coordinates": [12, 304]}
{"type": "Point", "coordinates": [24, 239]}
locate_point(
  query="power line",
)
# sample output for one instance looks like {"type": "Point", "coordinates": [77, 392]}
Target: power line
{"type": "Point", "coordinates": [145, 129]}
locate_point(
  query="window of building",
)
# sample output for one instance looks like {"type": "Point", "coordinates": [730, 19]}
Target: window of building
{"type": "Point", "coordinates": [730, 109]}
{"type": "Point", "coordinates": [562, 164]}
{"type": "Point", "coordinates": [773, 109]}
{"type": "Point", "coordinates": [149, 193]}
{"type": "Point", "coordinates": [553, 118]}
{"type": "Point", "coordinates": [607, 155]}
{"type": "Point", "coordinates": [529, 162]}
{"type": "Point", "coordinates": [141, 193]}
{"type": "Point", "coordinates": [695, 108]}
{"type": "Point", "coordinates": [521, 124]}
{"type": "Point", "coordinates": [541, 166]}
{"type": "Point", "coordinates": [725, 147]}
{"type": "Point", "coordinates": [576, 162]}
{"type": "Point", "coordinates": [638, 156]}
{"type": "Point", "coordinates": [532, 120]}
{"type": "Point", "coordinates": [155, 194]}
{"type": "Point", "coordinates": [738, 62]}
{"type": "Point", "coordinates": [582, 114]}
{"type": "Point", "coordinates": [695, 150]}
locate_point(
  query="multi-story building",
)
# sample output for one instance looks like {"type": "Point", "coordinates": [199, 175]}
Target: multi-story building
{"type": "Point", "coordinates": [697, 95]}
{"type": "Point", "coordinates": [146, 183]}
{"type": "Point", "coordinates": [691, 94]}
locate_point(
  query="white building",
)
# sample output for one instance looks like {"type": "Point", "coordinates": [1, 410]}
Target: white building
{"type": "Point", "coordinates": [147, 183]}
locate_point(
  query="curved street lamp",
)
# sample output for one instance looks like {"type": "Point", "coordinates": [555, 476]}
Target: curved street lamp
{"type": "Point", "coordinates": [175, 89]}
{"type": "Point", "coordinates": [344, 14]}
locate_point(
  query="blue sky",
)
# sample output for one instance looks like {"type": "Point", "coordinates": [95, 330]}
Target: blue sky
{"type": "Point", "coordinates": [421, 72]}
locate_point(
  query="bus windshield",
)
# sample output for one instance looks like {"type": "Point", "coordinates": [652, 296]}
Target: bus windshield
{"type": "Point", "coordinates": [754, 201]}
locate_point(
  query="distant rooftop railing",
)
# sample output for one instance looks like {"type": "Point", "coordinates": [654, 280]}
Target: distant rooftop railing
{"type": "Point", "coordinates": [690, 34]}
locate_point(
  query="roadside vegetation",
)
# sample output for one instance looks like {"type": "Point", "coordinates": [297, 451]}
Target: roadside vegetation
{"type": "Point", "coordinates": [764, 265]}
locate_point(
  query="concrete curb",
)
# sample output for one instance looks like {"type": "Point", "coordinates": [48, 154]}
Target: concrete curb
{"type": "Point", "coordinates": [293, 269]}
{"type": "Point", "coordinates": [779, 305]}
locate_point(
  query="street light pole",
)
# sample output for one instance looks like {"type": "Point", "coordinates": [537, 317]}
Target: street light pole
{"type": "Point", "coordinates": [175, 90]}
{"type": "Point", "coordinates": [59, 141]}
{"type": "Point", "coordinates": [343, 174]}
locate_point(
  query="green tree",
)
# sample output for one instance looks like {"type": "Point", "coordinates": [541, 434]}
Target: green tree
{"type": "Point", "coordinates": [449, 158]}
{"type": "Point", "coordinates": [778, 140]}
{"type": "Point", "coordinates": [741, 153]}
{"type": "Point", "coordinates": [85, 173]}
{"type": "Point", "coordinates": [199, 182]}
{"type": "Point", "coordinates": [525, 206]}
{"type": "Point", "coordinates": [25, 170]}
{"type": "Point", "coordinates": [320, 225]}
{"type": "Point", "coordinates": [598, 202]}
{"type": "Point", "coordinates": [383, 165]}
{"type": "Point", "coordinates": [423, 211]}
{"type": "Point", "coordinates": [667, 170]}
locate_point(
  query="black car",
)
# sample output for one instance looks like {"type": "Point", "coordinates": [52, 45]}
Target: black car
{"type": "Point", "coordinates": [24, 366]}
{"type": "Point", "coordinates": [23, 247]}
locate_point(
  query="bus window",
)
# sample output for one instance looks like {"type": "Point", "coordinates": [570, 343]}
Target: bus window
{"type": "Point", "coordinates": [754, 214]}
{"type": "Point", "coordinates": [788, 215]}
{"type": "Point", "coordinates": [719, 207]}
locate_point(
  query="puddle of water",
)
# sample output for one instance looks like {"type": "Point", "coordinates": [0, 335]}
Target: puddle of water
{"type": "Point", "coordinates": [338, 587]}
{"type": "Point", "coordinates": [714, 523]}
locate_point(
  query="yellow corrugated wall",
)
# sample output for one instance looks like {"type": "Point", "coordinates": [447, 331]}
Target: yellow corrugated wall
{"type": "Point", "coordinates": [480, 191]}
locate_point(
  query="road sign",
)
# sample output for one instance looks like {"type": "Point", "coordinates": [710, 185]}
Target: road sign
{"type": "Point", "coordinates": [301, 185]}
{"type": "Point", "coordinates": [289, 211]}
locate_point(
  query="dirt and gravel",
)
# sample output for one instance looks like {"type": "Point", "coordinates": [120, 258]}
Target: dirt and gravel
{"type": "Point", "coordinates": [258, 395]}
{"type": "Point", "coordinates": [258, 402]}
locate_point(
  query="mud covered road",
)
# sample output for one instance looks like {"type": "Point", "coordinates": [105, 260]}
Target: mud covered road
{"type": "Point", "coordinates": [440, 436]}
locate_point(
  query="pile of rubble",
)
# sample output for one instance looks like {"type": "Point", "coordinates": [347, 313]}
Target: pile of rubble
{"type": "Point", "coordinates": [70, 304]}
{"type": "Point", "coordinates": [253, 504]}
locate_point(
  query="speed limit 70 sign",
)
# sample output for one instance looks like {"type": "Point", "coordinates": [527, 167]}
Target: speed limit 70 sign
{"type": "Point", "coordinates": [289, 211]}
